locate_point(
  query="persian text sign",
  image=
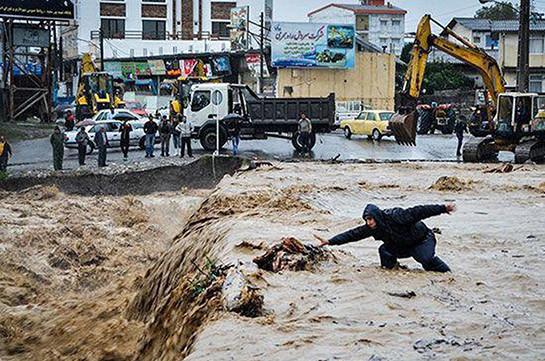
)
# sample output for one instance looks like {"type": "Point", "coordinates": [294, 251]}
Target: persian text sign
{"type": "Point", "coordinates": [313, 45]}
{"type": "Point", "coordinates": [38, 9]}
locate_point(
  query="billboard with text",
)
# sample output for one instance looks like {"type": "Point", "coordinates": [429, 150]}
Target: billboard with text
{"type": "Point", "coordinates": [38, 9]}
{"type": "Point", "coordinates": [313, 45]}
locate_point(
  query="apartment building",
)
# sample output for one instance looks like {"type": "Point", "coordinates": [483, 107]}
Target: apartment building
{"type": "Point", "coordinates": [133, 28]}
{"type": "Point", "coordinates": [380, 23]}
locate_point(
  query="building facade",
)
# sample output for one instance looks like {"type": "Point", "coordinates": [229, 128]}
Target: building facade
{"type": "Point", "coordinates": [380, 23]}
{"type": "Point", "coordinates": [136, 28]}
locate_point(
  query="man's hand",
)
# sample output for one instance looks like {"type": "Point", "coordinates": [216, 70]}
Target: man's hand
{"type": "Point", "coordinates": [324, 242]}
{"type": "Point", "coordinates": [451, 208]}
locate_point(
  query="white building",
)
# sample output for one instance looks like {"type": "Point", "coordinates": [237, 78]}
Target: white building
{"type": "Point", "coordinates": [134, 28]}
{"type": "Point", "coordinates": [380, 23]}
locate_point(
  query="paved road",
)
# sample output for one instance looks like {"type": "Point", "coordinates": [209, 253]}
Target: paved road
{"type": "Point", "coordinates": [37, 154]}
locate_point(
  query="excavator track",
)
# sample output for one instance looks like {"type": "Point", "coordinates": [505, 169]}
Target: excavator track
{"type": "Point", "coordinates": [478, 150]}
{"type": "Point", "coordinates": [530, 150]}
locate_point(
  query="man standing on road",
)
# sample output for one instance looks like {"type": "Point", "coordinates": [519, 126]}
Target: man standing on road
{"type": "Point", "coordinates": [125, 131]}
{"type": "Point", "coordinates": [150, 128]}
{"type": "Point", "coordinates": [460, 128]}
{"type": "Point", "coordinates": [82, 138]}
{"type": "Point", "coordinates": [57, 142]}
{"type": "Point", "coordinates": [305, 128]}
{"type": "Point", "coordinates": [101, 140]}
{"type": "Point", "coordinates": [235, 135]}
{"type": "Point", "coordinates": [165, 128]}
{"type": "Point", "coordinates": [176, 136]}
{"type": "Point", "coordinates": [185, 128]}
{"type": "Point", "coordinates": [5, 154]}
{"type": "Point", "coordinates": [403, 233]}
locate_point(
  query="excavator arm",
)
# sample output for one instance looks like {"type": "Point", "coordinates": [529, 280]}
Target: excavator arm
{"type": "Point", "coordinates": [404, 125]}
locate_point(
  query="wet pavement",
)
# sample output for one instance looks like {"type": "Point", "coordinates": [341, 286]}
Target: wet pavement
{"type": "Point", "coordinates": [37, 154]}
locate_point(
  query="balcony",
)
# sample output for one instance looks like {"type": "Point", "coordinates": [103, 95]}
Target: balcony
{"type": "Point", "coordinates": [161, 35]}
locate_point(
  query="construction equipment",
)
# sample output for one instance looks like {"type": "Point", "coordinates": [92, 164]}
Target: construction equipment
{"type": "Point", "coordinates": [96, 90]}
{"type": "Point", "coordinates": [514, 127]}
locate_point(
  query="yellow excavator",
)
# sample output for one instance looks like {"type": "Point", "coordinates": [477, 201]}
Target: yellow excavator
{"type": "Point", "coordinates": [96, 90]}
{"type": "Point", "coordinates": [517, 119]}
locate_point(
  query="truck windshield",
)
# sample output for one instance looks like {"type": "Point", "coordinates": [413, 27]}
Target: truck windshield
{"type": "Point", "coordinates": [201, 99]}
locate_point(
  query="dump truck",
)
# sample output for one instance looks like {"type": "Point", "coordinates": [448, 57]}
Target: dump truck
{"type": "Point", "coordinates": [216, 106]}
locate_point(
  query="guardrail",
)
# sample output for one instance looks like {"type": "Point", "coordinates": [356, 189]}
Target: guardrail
{"type": "Point", "coordinates": [161, 35]}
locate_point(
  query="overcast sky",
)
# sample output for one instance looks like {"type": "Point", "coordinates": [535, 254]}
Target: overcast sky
{"type": "Point", "coordinates": [442, 10]}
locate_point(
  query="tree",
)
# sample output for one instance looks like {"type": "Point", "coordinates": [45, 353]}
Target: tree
{"type": "Point", "coordinates": [406, 53]}
{"type": "Point", "coordinates": [497, 11]}
{"type": "Point", "coordinates": [443, 76]}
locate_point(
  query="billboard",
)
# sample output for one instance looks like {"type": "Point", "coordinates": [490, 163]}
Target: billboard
{"type": "Point", "coordinates": [254, 64]}
{"type": "Point", "coordinates": [239, 28]}
{"type": "Point", "coordinates": [313, 45]}
{"type": "Point", "coordinates": [38, 9]}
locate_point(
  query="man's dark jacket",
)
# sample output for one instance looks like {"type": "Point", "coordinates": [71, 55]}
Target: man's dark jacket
{"type": "Point", "coordinates": [150, 127]}
{"type": "Point", "coordinates": [397, 227]}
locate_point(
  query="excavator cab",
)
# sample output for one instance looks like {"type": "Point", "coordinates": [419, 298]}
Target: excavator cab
{"type": "Point", "coordinates": [514, 115]}
{"type": "Point", "coordinates": [537, 126]}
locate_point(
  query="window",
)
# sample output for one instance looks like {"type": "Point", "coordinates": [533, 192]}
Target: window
{"type": "Point", "coordinates": [396, 25]}
{"type": "Point", "coordinates": [476, 40]}
{"type": "Point", "coordinates": [383, 25]}
{"type": "Point", "coordinates": [154, 29]}
{"type": "Point", "coordinates": [362, 116]}
{"type": "Point", "coordinates": [362, 23]}
{"type": "Point", "coordinates": [220, 29]}
{"type": "Point", "coordinates": [201, 99]}
{"type": "Point", "coordinates": [371, 116]}
{"type": "Point", "coordinates": [536, 45]}
{"type": "Point", "coordinates": [113, 28]}
{"type": "Point", "coordinates": [536, 83]}
{"type": "Point", "coordinates": [385, 116]}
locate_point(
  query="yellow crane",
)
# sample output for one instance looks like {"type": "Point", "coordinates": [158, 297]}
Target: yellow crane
{"type": "Point", "coordinates": [516, 124]}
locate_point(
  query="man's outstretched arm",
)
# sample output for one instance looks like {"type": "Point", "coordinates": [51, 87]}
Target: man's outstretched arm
{"type": "Point", "coordinates": [352, 235]}
{"type": "Point", "coordinates": [418, 213]}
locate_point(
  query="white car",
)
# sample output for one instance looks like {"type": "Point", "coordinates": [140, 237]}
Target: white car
{"type": "Point", "coordinates": [137, 136]}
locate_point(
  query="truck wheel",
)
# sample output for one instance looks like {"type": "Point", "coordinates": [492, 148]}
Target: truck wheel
{"type": "Point", "coordinates": [347, 132]}
{"type": "Point", "coordinates": [90, 148]}
{"type": "Point", "coordinates": [208, 138]}
{"type": "Point", "coordinates": [298, 145]}
{"type": "Point", "coordinates": [424, 121]}
{"type": "Point", "coordinates": [376, 135]}
{"type": "Point", "coordinates": [142, 143]}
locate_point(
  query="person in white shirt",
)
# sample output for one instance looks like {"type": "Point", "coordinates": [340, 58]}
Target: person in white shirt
{"type": "Point", "coordinates": [185, 128]}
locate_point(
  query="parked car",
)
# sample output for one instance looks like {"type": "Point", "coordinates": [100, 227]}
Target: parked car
{"type": "Point", "coordinates": [372, 123]}
{"type": "Point", "coordinates": [136, 107]}
{"type": "Point", "coordinates": [120, 113]}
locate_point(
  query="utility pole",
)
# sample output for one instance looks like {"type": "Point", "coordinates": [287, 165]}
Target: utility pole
{"type": "Point", "coordinates": [261, 52]}
{"type": "Point", "coordinates": [523, 67]}
{"type": "Point", "coordinates": [101, 35]}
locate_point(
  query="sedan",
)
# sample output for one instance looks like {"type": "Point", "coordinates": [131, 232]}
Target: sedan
{"type": "Point", "coordinates": [372, 123]}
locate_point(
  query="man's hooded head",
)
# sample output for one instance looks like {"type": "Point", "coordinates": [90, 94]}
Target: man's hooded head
{"type": "Point", "coordinates": [373, 216]}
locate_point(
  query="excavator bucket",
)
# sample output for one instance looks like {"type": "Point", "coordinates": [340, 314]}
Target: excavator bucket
{"type": "Point", "coordinates": [404, 128]}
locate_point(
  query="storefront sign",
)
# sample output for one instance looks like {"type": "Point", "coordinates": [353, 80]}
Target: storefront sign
{"type": "Point", "coordinates": [254, 64]}
{"type": "Point", "coordinates": [28, 35]}
{"type": "Point", "coordinates": [222, 66]}
{"type": "Point", "coordinates": [313, 45]}
{"type": "Point", "coordinates": [157, 67]}
{"type": "Point", "coordinates": [113, 68]}
{"type": "Point", "coordinates": [38, 9]}
{"type": "Point", "coordinates": [239, 28]}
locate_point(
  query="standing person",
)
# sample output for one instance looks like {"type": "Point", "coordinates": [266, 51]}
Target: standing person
{"type": "Point", "coordinates": [305, 129]}
{"type": "Point", "coordinates": [460, 128]}
{"type": "Point", "coordinates": [57, 142]}
{"type": "Point", "coordinates": [82, 138]}
{"type": "Point", "coordinates": [165, 128]}
{"type": "Point", "coordinates": [5, 154]}
{"type": "Point", "coordinates": [110, 115]}
{"type": "Point", "coordinates": [70, 121]}
{"type": "Point", "coordinates": [150, 128]}
{"type": "Point", "coordinates": [101, 140]}
{"type": "Point", "coordinates": [185, 128]}
{"type": "Point", "coordinates": [235, 136]}
{"type": "Point", "coordinates": [403, 233]}
{"type": "Point", "coordinates": [176, 136]}
{"type": "Point", "coordinates": [125, 131]}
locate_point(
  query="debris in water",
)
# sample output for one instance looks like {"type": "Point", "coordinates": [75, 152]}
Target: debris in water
{"type": "Point", "coordinates": [455, 184]}
{"type": "Point", "coordinates": [240, 296]}
{"type": "Point", "coordinates": [504, 168]}
{"type": "Point", "coordinates": [291, 255]}
{"type": "Point", "coordinates": [408, 294]}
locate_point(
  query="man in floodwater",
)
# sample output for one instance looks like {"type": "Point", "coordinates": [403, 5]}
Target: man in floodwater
{"type": "Point", "coordinates": [403, 233]}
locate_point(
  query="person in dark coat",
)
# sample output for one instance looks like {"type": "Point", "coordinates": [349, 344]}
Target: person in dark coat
{"type": "Point", "coordinates": [101, 141]}
{"type": "Point", "coordinates": [5, 154]}
{"type": "Point", "coordinates": [459, 129]}
{"type": "Point", "coordinates": [150, 128]}
{"type": "Point", "coordinates": [403, 233]}
{"type": "Point", "coordinates": [70, 121]}
{"type": "Point", "coordinates": [125, 131]}
{"type": "Point", "coordinates": [82, 138]}
{"type": "Point", "coordinates": [57, 142]}
{"type": "Point", "coordinates": [165, 130]}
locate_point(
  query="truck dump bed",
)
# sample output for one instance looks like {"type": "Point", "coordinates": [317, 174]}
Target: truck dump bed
{"type": "Point", "coordinates": [283, 114]}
